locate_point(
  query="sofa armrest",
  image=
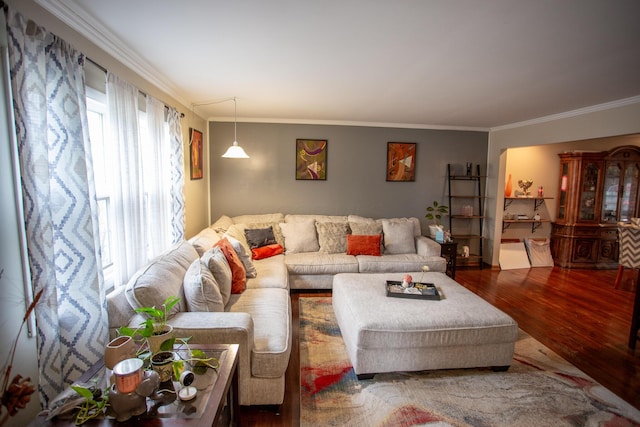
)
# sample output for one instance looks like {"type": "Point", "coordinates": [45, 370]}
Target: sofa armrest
{"type": "Point", "coordinates": [219, 328]}
{"type": "Point", "coordinates": [427, 247]}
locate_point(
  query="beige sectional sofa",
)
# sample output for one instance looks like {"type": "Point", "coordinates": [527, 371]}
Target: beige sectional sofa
{"type": "Point", "coordinates": [310, 258]}
{"type": "Point", "coordinates": [259, 318]}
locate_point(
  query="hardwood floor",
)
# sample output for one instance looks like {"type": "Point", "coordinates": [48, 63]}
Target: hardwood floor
{"type": "Point", "coordinates": [576, 313]}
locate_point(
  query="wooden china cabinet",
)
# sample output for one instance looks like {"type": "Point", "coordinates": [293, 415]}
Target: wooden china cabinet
{"type": "Point", "coordinates": [596, 191]}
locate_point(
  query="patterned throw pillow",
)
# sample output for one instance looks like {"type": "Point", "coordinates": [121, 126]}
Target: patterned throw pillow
{"type": "Point", "coordinates": [332, 237]}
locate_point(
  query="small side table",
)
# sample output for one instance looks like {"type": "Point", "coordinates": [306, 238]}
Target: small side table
{"type": "Point", "coordinates": [449, 251]}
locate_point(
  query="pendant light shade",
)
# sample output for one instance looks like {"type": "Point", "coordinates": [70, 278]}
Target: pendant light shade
{"type": "Point", "coordinates": [235, 151]}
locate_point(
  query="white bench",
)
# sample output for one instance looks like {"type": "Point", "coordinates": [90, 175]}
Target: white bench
{"type": "Point", "coordinates": [387, 334]}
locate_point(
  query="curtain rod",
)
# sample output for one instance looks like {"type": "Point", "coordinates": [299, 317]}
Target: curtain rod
{"type": "Point", "coordinates": [103, 69]}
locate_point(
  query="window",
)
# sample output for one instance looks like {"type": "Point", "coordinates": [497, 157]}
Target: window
{"type": "Point", "coordinates": [96, 112]}
{"type": "Point", "coordinates": [153, 134]}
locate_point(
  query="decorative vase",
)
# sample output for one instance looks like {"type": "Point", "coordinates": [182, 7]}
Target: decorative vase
{"type": "Point", "coordinates": [119, 349]}
{"type": "Point", "coordinates": [508, 188]}
{"type": "Point", "coordinates": [156, 340]}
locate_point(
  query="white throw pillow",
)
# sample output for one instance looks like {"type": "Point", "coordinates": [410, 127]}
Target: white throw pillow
{"type": "Point", "coordinates": [244, 256]}
{"type": "Point", "coordinates": [398, 237]}
{"type": "Point", "coordinates": [201, 290]}
{"type": "Point", "coordinates": [217, 263]}
{"type": "Point", "coordinates": [300, 236]}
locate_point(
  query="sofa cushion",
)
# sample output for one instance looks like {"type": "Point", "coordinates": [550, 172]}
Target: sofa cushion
{"type": "Point", "coordinates": [319, 263]}
{"type": "Point", "coordinates": [259, 218]}
{"type": "Point", "coordinates": [400, 263]}
{"type": "Point", "coordinates": [238, 273]}
{"type": "Point", "coordinates": [162, 278]}
{"type": "Point", "coordinates": [300, 236]}
{"type": "Point", "coordinates": [398, 237]}
{"type": "Point", "coordinates": [364, 245]}
{"type": "Point", "coordinates": [270, 310]}
{"type": "Point", "coordinates": [318, 218]}
{"type": "Point", "coordinates": [201, 291]}
{"type": "Point", "coordinates": [259, 237]}
{"type": "Point", "coordinates": [332, 237]}
{"type": "Point", "coordinates": [204, 240]}
{"type": "Point", "coordinates": [272, 273]}
{"type": "Point", "coordinates": [244, 256]}
{"type": "Point", "coordinates": [222, 224]}
{"type": "Point", "coordinates": [217, 263]}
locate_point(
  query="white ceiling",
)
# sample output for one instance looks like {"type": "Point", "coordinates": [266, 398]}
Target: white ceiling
{"type": "Point", "coordinates": [417, 63]}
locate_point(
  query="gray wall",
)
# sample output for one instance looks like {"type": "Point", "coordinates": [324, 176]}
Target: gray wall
{"type": "Point", "coordinates": [356, 180]}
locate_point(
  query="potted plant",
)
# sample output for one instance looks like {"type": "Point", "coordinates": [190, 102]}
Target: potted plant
{"type": "Point", "coordinates": [155, 329]}
{"type": "Point", "coordinates": [434, 213]}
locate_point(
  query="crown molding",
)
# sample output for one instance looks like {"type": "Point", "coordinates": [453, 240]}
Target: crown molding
{"type": "Point", "coordinates": [79, 20]}
{"type": "Point", "coordinates": [573, 113]}
{"type": "Point", "coordinates": [346, 123]}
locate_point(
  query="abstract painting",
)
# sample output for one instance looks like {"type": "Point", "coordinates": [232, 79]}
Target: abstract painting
{"type": "Point", "coordinates": [311, 159]}
{"type": "Point", "coordinates": [401, 161]}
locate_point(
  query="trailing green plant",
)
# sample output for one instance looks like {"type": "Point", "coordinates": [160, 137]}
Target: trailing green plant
{"type": "Point", "coordinates": [93, 406]}
{"type": "Point", "coordinates": [436, 211]}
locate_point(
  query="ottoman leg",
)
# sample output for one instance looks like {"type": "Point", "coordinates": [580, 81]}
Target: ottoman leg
{"type": "Point", "coordinates": [500, 368]}
{"type": "Point", "coordinates": [365, 376]}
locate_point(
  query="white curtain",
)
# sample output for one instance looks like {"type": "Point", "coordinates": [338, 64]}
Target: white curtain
{"type": "Point", "coordinates": [147, 194]}
{"type": "Point", "coordinates": [48, 93]}
{"type": "Point", "coordinates": [128, 204]}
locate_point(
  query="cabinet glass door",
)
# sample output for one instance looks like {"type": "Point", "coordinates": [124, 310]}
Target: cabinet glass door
{"type": "Point", "coordinates": [587, 210]}
{"type": "Point", "coordinates": [611, 190]}
{"type": "Point", "coordinates": [562, 200]}
{"type": "Point", "coordinates": [629, 200]}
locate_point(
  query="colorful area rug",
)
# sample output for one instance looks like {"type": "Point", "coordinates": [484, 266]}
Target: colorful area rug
{"type": "Point", "coordinates": [540, 388]}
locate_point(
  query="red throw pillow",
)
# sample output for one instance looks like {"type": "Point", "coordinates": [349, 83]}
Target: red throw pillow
{"type": "Point", "coordinates": [363, 244]}
{"type": "Point", "coordinates": [266, 251]}
{"type": "Point", "coordinates": [238, 272]}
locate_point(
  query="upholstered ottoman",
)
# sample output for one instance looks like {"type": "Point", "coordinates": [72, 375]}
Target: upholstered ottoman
{"type": "Point", "coordinates": [387, 334]}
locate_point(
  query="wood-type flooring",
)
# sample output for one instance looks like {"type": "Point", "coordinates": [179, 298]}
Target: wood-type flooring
{"type": "Point", "coordinates": [576, 313]}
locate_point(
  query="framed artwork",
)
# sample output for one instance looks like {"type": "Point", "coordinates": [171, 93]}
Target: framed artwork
{"type": "Point", "coordinates": [195, 151]}
{"type": "Point", "coordinates": [311, 159]}
{"type": "Point", "coordinates": [401, 161]}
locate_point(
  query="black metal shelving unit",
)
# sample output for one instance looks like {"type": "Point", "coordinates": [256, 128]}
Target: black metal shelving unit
{"type": "Point", "coordinates": [472, 192]}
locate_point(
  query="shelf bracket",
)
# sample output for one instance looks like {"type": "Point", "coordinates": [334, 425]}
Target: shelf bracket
{"type": "Point", "coordinates": [507, 203]}
{"type": "Point", "coordinates": [505, 225]}
{"type": "Point", "coordinates": [535, 226]}
{"type": "Point", "coordinates": [537, 203]}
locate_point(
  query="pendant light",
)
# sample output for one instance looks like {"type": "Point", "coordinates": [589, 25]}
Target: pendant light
{"type": "Point", "coordinates": [235, 151]}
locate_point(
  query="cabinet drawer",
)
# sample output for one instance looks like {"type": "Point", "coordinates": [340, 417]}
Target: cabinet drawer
{"type": "Point", "coordinates": [609, 234]}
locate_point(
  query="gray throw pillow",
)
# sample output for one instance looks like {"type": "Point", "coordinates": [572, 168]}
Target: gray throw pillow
{"type": "Point", "coordinates": [217, 263]}
{"type": "Point", "coordinates": [259, 237]}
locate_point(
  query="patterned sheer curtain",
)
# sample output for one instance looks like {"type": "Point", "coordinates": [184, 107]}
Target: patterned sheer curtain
{"type": "Point", "coordinates": [147, 156]}
{"type": "Point", "coordinates": [48, 90]}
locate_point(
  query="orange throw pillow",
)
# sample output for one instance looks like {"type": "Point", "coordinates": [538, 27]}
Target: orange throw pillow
{"type": "Point", "coordinates": [363, 244]}
{"type": "Point", "coordinates": [266, 251]}
{"type": "Point", "coordinates": [238, 272]}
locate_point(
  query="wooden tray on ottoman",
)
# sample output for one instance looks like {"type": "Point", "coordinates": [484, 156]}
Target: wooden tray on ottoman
{"type": "Point", "coordinates": [426, 290]}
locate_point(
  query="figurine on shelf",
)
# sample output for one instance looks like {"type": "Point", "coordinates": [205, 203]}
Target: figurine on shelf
{"type": "Point", "coordinates": [525, 185]}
